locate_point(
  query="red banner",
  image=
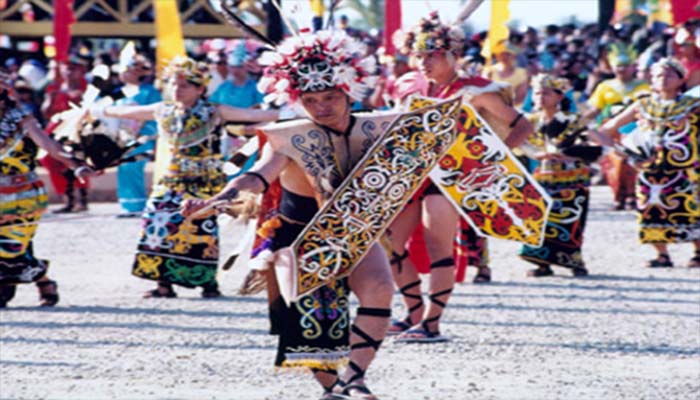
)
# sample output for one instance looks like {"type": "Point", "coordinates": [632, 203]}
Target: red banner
{"type": "Point", "coordinates": [684, 10]}
{"type": "Point", "coordinates": [63, 19]}
{"type": "Point", "coordinates": [392, 23]}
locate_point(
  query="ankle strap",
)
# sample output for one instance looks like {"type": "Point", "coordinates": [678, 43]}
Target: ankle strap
{"type": "Point", "coordinates": [433, 297]}
{"type": "Point", "coordinates": [397, 259]}
{"type": "Point", "coordinates": [445, 262]}
{"type": "Point", "coordinates": [374, 312]}
{"type": "Point", "coordinates": [369, 341]}
{"type": "Point", "coordinates": [359, 373]}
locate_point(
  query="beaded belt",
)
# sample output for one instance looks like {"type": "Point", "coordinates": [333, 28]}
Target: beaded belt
{"type": "Point", "coordinates": [14, 180]}
{"type": "Point", "coordinates": [196, 166]}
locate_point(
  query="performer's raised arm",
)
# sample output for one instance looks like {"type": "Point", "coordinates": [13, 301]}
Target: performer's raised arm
{"type": "Point", "coordinates": [627, 116]}
{"type": "Point", "coordinates": [229, 113]}
{"type": "Point", "coordinates": [139, 113]}
{"type": "Point", "coordinates": [256, 180]}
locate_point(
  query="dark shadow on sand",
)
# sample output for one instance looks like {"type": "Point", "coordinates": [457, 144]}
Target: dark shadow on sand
{"type": "Point", "coordinates": [609, 347]}
{"type": "Point", "coordinates": [581, 310]}
{"type": "Point", "coordinates": [157, 345]}
{"type": "Point", "coordinates": [596, 287]}
{"type": "Point", "coordinates": [40, 363]}
{"type": "Point", "coordinates": [574, 298]}
{"type": "Point", "coordinates": [138, 311]}
{"type": "Point", "coordinates": [140, 326]}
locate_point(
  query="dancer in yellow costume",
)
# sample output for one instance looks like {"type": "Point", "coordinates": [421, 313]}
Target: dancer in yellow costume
{"type": "Point", "coordinates": [23, 198]}
{"type": "Point", "coordinates": [173, 250]}
{"type": "Point", "coordinates": [605, 101]}
{"type": "Point", "coordinates": [565, 178]}
{"type": "Point", "coordinates": [668, 185]}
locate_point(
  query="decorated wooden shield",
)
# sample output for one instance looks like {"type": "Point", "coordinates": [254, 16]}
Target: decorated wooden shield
{"type": "Point", "coordinates": [376, 190]}
{"type": "Point", "coordinates": [488, 185]}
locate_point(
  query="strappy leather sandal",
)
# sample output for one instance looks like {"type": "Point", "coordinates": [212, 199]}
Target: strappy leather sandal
{"type": "Point", "coordinates": [164, 290]}
{"type": "Point", "coordinates": [424, 334]}
{"type": "Point", "coordinates": [327, 390]}
{"type": "Point", "coordinates": [661, 261]}
{"type": "Point", "coordinates": [344, 390]}
{"type": "Point", "coordinates": [48, 293]}
{"type": "Point", "coordinates": [397, 327]}
{"type": "Point", "coordinates": [405, 324]}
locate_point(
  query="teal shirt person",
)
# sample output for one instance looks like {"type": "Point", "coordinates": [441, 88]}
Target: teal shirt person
{"type": "Point", "coordinates": [131, 179]}
{"type": "Point", "coordinates": [230, 94]}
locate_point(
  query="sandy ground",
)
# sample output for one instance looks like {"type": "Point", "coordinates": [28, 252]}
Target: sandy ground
{"type": "Point", "coordinates": [625, 332]}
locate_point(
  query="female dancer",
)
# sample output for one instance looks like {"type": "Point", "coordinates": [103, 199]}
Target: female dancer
{"type": "Point", "coordinates": [668, 184]}
{"type": "Point", "coordinates": [173, 250]}
{"type": "Point", "coordinates": [565, 178]}
{"type": "Point", "coordinates": [23, 198]}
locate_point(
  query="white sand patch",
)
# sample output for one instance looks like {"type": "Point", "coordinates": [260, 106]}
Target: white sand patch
{"type": "Point", "coordinates": [626, 332]}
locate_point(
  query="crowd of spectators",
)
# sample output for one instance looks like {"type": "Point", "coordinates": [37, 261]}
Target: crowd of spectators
{"type": "Point", "coordinates": [579, 53]}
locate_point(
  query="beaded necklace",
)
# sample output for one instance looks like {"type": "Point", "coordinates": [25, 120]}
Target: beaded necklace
{"type": "Point", "coordinates": [187, 127]}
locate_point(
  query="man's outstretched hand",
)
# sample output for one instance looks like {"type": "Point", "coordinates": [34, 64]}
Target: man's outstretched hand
{"type": "Point", "coordinates": [194, 207]}
{"type": "Point", "coordinates": [232, 202]}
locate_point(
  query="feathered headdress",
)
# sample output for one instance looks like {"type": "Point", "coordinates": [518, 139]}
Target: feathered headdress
{"type": "Point", "coordinates": [192, 71]}
{"type": "Point", "coordinates": [430, 35]}
{"type": "Point", "coordinates": [621, 54]}
{"type": "Point", "coordinates": [313, 62]}
{"type": "Point", "coordinates": [548, 81]}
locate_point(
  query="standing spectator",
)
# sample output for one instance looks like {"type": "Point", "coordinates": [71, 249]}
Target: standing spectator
{"type": "Point", "coordinates": [386, 90]}
{"type": "Point", "coordinates": [607, 95]}
{"type": "Point", "coordinates": [25, 99]}
{"type": "Point", "coordinates": [688, 50]}
{"type": "Point", "coordinates": [506, 71]}
{"type": "Point", "coordinates": [219, 70]}
{"type": "Point", "coordinates": [238, 90]}
{"type": "Point", "coordinates": [131, 182]}
{"type": "Point", "coordinates": [68, 87]}
{"type": "Point", "coordinates": [318, 9]}
{"type": "Point", "coordinates": [12, 67]}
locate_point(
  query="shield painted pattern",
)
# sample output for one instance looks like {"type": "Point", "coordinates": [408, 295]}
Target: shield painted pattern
{"type": "Point", "coordinates": [375, 191]}
{"type": "Point", "coordinates": [487, 184]}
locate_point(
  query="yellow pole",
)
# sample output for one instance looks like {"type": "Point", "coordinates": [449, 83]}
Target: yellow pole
{"type": "Point", "coordinates": [498, 31]}
{"type": "Point", "coordinates": [169, 43]}
{"type": "Point", "coordinates": [168, 32]}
